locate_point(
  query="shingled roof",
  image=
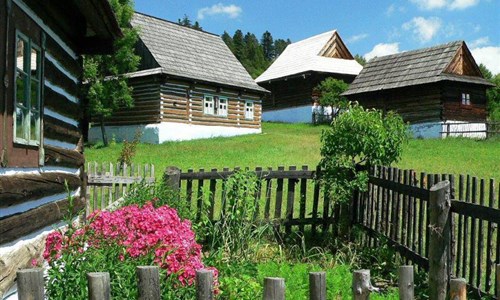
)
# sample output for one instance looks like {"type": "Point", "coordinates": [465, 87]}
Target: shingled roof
{"type": "Point", "coordinates": [321, 53]}
{"type": "Point", "coordinates": [417, 67]}
{"type": "Point", "coordinates": [188, 53]}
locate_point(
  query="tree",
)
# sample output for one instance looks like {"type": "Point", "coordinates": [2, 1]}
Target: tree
{"type": "Point", "coordinates": [492, 94]}
{"type": "Point", "coordinates": [268, 45]}
{"type": "Point", "coordinates": [486, 73]}
{"type": "Point", "coordinates": [228, 40]}
{"type": "Point", "coordinates": [360, 59]}
{"type": "Point", "coordinates": [185, 21]}
{"type": "Point", "coordinates": [254, 61]}
{"type": "Point", "coordinates": [107, 88]}
{"type": "Point", "coordinates": [280, 45]}
{"type": "Point", "coordinates": [359, 137]}
{"type": "Point", "coordinates": [330, 91]}
{"type": "Point", "coordinates": [239, 45]}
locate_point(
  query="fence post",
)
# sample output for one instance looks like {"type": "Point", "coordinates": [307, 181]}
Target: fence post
{"type": "Point", "coordinates": [497, 280]}
{"type": "Point", "coordinates": [30, 284]}
{"type": "Point", "coordinates": [361, 286]}
{"type": "Point", "coordinates": [99, 286]}
{"type": "Point", "coordinates": [172, 177]}
{"type": "Point", "coordinates": [406, 286]}
{"type": "Point", "coordinates": [439, 239]}
{"type": "Point", "coordinates": [274, 288]}
{"type": "Point", "coordinates": [148, 282]}
{"type": "Point", "coordinates": [317, 286]}
{"type": "Point", "coordinates": [204, 284]}
{"type": "Point", "coordinates": [458, 289]}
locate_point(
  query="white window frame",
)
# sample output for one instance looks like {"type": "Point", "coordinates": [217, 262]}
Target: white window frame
{"type": "Point", "coordinates": [465, 99]}
{"type": "Point", "coordinates": [26, 136]}
{"type": "Point", "coordinates": [208, 110]}
{"type": "Point", "coordinates": [249, 110]}
{"type": "Point", "coordinates": [222, 105]}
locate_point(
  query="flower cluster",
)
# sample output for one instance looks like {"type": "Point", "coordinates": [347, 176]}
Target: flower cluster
{"type": "Point", "coordinates": [139, 231]}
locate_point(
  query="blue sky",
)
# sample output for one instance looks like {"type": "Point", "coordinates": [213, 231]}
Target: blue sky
{"type": "Point", "coordinates": [369, 28]}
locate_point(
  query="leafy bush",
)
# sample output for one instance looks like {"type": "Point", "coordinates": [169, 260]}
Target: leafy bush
{"type": "Point", "coordinates": [119, 241]}
{"type": "Point", "coordinates": [129, 148]}
{"type": "Point", "coordinates": [330, 90]}
{"type": "Point", "coordinates": [359, 137]}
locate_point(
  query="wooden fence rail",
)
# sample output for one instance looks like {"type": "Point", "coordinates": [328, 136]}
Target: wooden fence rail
{"type": "Point", "coordinates": [396, 207]}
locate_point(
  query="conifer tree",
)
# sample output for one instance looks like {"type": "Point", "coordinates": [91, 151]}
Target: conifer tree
{"type": "Point", "coordinates": [239, 45]}
{"type": "Point", "coordinates": [268, 46]}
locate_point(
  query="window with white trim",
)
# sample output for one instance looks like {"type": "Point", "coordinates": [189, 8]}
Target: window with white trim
{"type": "Point", "coordinates": [27, 91]}
{"type": "Point", "coordinates": [249, 110]}
{"type": "Point", "coordinates": [208, 105]}
{"type": "Point", "coordinates": [222, 107]}
{"type": "Point", "coordinates": [465, 99]}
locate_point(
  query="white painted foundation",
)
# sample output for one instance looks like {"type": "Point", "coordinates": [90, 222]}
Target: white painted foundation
{"type": "Point", "coordinates": [168, 131]}
{"type": "Point", "coordinates": [440, 129]}
{"type": "Point", "coordinates": [299, 114]}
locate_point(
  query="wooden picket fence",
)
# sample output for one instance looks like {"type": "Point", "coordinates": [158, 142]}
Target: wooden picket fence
{"type": "Point", "coordinates": [396, 208]}
{"type": "Point", "coordinates": [31, 285]}
{"type": "Point", "coordinates": [108, 182]}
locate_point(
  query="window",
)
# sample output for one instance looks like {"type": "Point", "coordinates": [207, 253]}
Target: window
{"type": "Point", "coordinates": [27, 92]}
{"type": "Point", "coordinates": [249, 110]}
{"type": "Point", "coordinates": [208, 105]}
{"type": "Point", "coordinates": [465, 99]}
{"type": "Point", "coordinates": [222, 107]}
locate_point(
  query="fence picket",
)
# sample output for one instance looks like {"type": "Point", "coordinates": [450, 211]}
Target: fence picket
{"type": "Point", "coordinates": [303, 199]}
{"type": "Point", "coordinates": [473, 242]}
{"type": "Point", "coordinates": [199, 198]}
{"type": "Point", "coordinates": [269, 187]}
{"type": "Point", "coordinates": [316, 199]}
{"type": "Point", "coordinates": [213, 185]}
{"type": "Point", "coordinates": [489, 243]}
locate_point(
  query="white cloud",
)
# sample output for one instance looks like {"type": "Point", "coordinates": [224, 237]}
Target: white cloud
{"type": "Point", "coordinates": [393, 9]}
{"type": "Point", "coordinates": [488, 56]}
{"type": "Point", "coordinates": [449, 4]}
{"type": "Point", "coordinates": [462, 4]}
{"type": "Point", "coordinates": [357, 38]}
{"type": "Point", "coordinates": [430, 4]}
{"type": "Point", "coordinates": [482, 41]}
{"type": "Point", "coordinates": [232, 11]}
{"type": "Point", "coordinates": [424, 29]}
{"type": "Point", "coordinates": [382, 49]}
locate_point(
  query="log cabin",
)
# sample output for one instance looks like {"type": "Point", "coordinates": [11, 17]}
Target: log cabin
{"type": "Point", "coordinates": [292, 77]}
{"type": "Point", "coordinates": [431, 88]}
{"type": "Point", "coordinates": [40, 118]}
{"type": "Point", "coordinates": [189, 85]}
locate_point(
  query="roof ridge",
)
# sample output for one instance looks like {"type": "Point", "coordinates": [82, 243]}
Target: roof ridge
{"type": "Point", "coordinates": [174, 23]}
{"type": "Point", "coordinates": [314, 36]}
{"type": "Point", "coordinates": [416, 50]}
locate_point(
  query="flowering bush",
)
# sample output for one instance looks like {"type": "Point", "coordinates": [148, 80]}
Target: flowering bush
{"type": "Point", "coordinates": [131, 235]}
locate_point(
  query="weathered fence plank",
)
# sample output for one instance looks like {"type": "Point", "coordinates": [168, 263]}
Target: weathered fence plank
{"type": "Point", "coordinates": [274, 288]}
{"type": "Point", "coordinates": [148, 278]}
{"type": "Point", "coordinates": [406, 285]}
{"type": "Point", "coordinates": [99, 286]}
{"type": "Point", "coordinates": [317, 286]}
{"type": "Point", "coordinates": [30, 284]}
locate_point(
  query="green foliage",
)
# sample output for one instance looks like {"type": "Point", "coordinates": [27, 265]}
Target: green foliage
{"type": "Point", "coordinates": [267, 43]}
{"type": "Point", "coordinates": [185, 21]}
{"type": "Point", "coordinates": [330, 90]}
{"type": "Point", "coordinates": [359, 136]}
{"type": "Point", "coordinates": [493, 95]}
{"type": "Point", "coordinates": [129, 149]}
{"type": "Point", "coordinates": [360, 59]}
{"type": "Point", "coordinates": [280, 45]}
{"type": "Point", "coordinates": [236, 234]}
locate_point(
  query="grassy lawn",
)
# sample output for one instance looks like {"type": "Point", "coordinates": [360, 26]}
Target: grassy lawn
{"type": "Point", "coordinates": [299, 144]}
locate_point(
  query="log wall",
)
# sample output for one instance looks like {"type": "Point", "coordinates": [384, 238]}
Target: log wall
{"type": "Point", "coordinates": [295, 91]}
{"type": "Point", "coordinates": [452, 100]}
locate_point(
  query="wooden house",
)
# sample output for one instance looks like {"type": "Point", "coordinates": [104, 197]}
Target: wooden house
{"type": "Point", "coordinates": [189, 86]}
{"type": "Point", "coordinates": [40, 114]}
{"type": "Point", "coordinates": [430, 88]}
{"type": "Point", "coordinates": [298, 70]}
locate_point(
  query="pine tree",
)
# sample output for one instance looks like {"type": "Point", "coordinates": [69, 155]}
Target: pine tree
{"type": "Point", "coordinates": [255, 62]}
{"type": "Point", "coordinates": [228, 40]}
{"type": "Point", "coordinates": [107, 90]}
{"type": "Point", "coordinates": [239, 45]}
{"type": "Point", "coordinates": [268, 46]}
{"type": "Point", "coordinates": [185, 21]}
{"type": "Point", "coordinates": [280, 45]}
{"type": "Point", "coordinates": [360, 59]}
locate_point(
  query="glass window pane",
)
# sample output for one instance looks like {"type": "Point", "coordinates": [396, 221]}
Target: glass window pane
{"type": "Point", "coordinates": [20, 53]}
{"type": "Point", "coordinates": [34, 62]}
{"type": "Point", "coordinates": [34, 92]}
{"type": "Point", "coordinates": [34, 127]}
{"type": "Point", "coordinates": [20, 115]}
{"type": "Point", "coordinates": [21, 80]}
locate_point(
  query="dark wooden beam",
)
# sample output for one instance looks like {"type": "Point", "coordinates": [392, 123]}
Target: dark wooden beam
{"type": "Point", "coordinates": [16, 226]}
{"type": "Point", "coordinates": [15, 189]}
{"type": "Point", "coordinates": [55, 156]}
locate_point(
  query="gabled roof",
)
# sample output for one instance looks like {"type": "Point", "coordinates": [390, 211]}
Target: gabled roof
{"type": "Point", "coordinates": [192, 54]}
{"type": "Point", "coordinates": [452, 61]}
{"type": "Point", "coordinates": [321, 53]}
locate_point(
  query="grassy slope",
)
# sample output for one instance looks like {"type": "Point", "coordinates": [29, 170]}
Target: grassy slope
{"type": "Point", "coordinates": [298, 144]}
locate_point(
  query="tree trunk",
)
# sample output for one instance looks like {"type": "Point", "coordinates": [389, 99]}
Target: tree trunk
{"type": "Point", "coordinates": [103, 131]}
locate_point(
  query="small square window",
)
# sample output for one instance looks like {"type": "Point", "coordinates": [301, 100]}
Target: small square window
{"type": "Point", "coordinates": [465, 99]}
{"type": "Point", "coordinates": [222, 107]}
{"type": "Point", "coordinates": [208, 105]}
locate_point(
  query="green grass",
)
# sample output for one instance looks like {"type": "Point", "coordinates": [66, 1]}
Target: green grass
{"type": "Point", "coordinates": [299, 144]}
